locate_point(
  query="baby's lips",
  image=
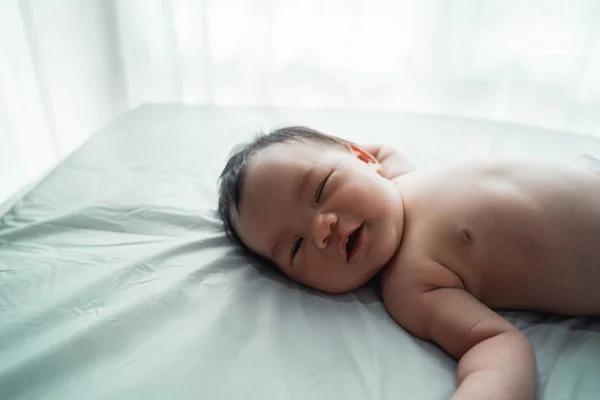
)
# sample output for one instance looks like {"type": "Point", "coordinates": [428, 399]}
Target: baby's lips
{"type": "Point", "coordinates": [343, 241]}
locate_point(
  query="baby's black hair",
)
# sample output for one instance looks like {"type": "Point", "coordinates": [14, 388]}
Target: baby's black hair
{"type": "Point", "coordinates": [232, 178]}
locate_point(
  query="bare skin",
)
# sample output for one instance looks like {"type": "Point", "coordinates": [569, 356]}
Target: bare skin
{"type": "Point", "coordinates": [464, 240]}
{"type": "Point", "coordinates": [496, 235]}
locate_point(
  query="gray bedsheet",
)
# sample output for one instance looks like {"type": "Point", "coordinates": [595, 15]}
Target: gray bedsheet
{"type": "Point", "coordinates": [116, 280]}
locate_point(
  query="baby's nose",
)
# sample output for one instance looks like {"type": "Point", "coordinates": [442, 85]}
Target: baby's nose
{"type": "Point", "coordinates": [322, 227]}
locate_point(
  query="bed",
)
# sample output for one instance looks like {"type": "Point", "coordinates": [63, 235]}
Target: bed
{"type": "Point", "coordinates": [117, 281]}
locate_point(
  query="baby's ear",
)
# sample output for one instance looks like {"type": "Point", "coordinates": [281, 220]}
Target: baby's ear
{"type": "Point", "coordinates": [365, 157]}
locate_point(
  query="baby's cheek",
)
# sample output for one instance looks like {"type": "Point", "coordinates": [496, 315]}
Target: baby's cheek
{"type": "Point", "coordinates": [295, 273]}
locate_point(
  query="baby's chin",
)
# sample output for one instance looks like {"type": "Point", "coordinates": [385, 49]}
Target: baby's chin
{"type": "Point", "coordinates": [350, 285]}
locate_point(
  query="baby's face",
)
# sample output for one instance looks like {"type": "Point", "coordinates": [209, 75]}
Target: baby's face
{"type": "Point", "coordinates": [322, 213]}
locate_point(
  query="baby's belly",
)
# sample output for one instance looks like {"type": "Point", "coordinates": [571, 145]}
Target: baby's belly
{"type": "Point", "coordinates": [528, 268]}
{"type": "Point", "coordinates": [557, 287]}
{"type": "Point", "coordinates": [527, 252]}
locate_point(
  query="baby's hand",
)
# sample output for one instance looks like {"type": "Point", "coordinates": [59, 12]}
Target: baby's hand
{"type": "Point", "coordinates": [392, 163]}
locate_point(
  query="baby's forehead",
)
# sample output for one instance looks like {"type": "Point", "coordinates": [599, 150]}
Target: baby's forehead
{"type": "Point", "coordinates": [270, 185]}
{"type": "Point", "coordinates": [293, 154]}
{"type": "Point", "coordinates": [283, 166]}
{"type": "Point", "coordinates": [279, 160]}
{"type": "Point", "coordinates": [288, 150]}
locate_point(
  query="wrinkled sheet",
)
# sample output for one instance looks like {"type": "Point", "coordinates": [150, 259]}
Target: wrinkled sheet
{"type": "Point", "coordinates": [117, 282]}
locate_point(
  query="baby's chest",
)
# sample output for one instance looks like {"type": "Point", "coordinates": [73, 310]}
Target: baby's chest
{"type": "Point", "coordinates": [519, 255]}
{"type": "Point", "coordinates": [513, 242]}
{"type": "Point", "coordinates": [488, 237]}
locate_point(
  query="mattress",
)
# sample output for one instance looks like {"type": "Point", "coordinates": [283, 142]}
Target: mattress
{"type": "Point", "coordinates": [117, 281]}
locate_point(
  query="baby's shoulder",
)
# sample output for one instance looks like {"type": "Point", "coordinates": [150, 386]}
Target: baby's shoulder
{"type": "Point", "coordinates": [408, 273]}
{"type": "Point", "coordinates": [403, 283]}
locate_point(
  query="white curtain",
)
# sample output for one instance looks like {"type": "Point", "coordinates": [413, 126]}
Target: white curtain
{"type": "Point", "coordinates": [67, 67]}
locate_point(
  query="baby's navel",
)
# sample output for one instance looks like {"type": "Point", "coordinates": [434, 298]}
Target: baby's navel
{"type": "Point", "coordinates": [466, 235]}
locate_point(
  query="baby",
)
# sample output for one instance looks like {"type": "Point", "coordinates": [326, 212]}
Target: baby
{"type": "Point", "coordinates": [449, 245]}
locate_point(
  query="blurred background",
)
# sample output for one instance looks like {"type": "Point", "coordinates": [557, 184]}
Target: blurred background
{"type": "Point", "coordinates": [68, 67]}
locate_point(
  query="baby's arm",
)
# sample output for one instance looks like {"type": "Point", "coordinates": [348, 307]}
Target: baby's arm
{"type": "Point", "coordinates": [393, 163]}
{"type": "Point", "coordinates": [496, 361]}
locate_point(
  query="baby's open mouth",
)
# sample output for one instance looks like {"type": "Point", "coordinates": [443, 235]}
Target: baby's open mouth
{"type": "Point", "coordinates": [352, 241]}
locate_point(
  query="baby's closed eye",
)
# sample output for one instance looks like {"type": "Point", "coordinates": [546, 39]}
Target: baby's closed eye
{"type": "Point", "coordinates": [321, 187]}
{"type": "Point", "coordinates": [296, 247]}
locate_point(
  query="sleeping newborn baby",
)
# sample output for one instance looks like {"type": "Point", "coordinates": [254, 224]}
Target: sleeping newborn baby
{"type": "Point", "coordinates": [449, 245]}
